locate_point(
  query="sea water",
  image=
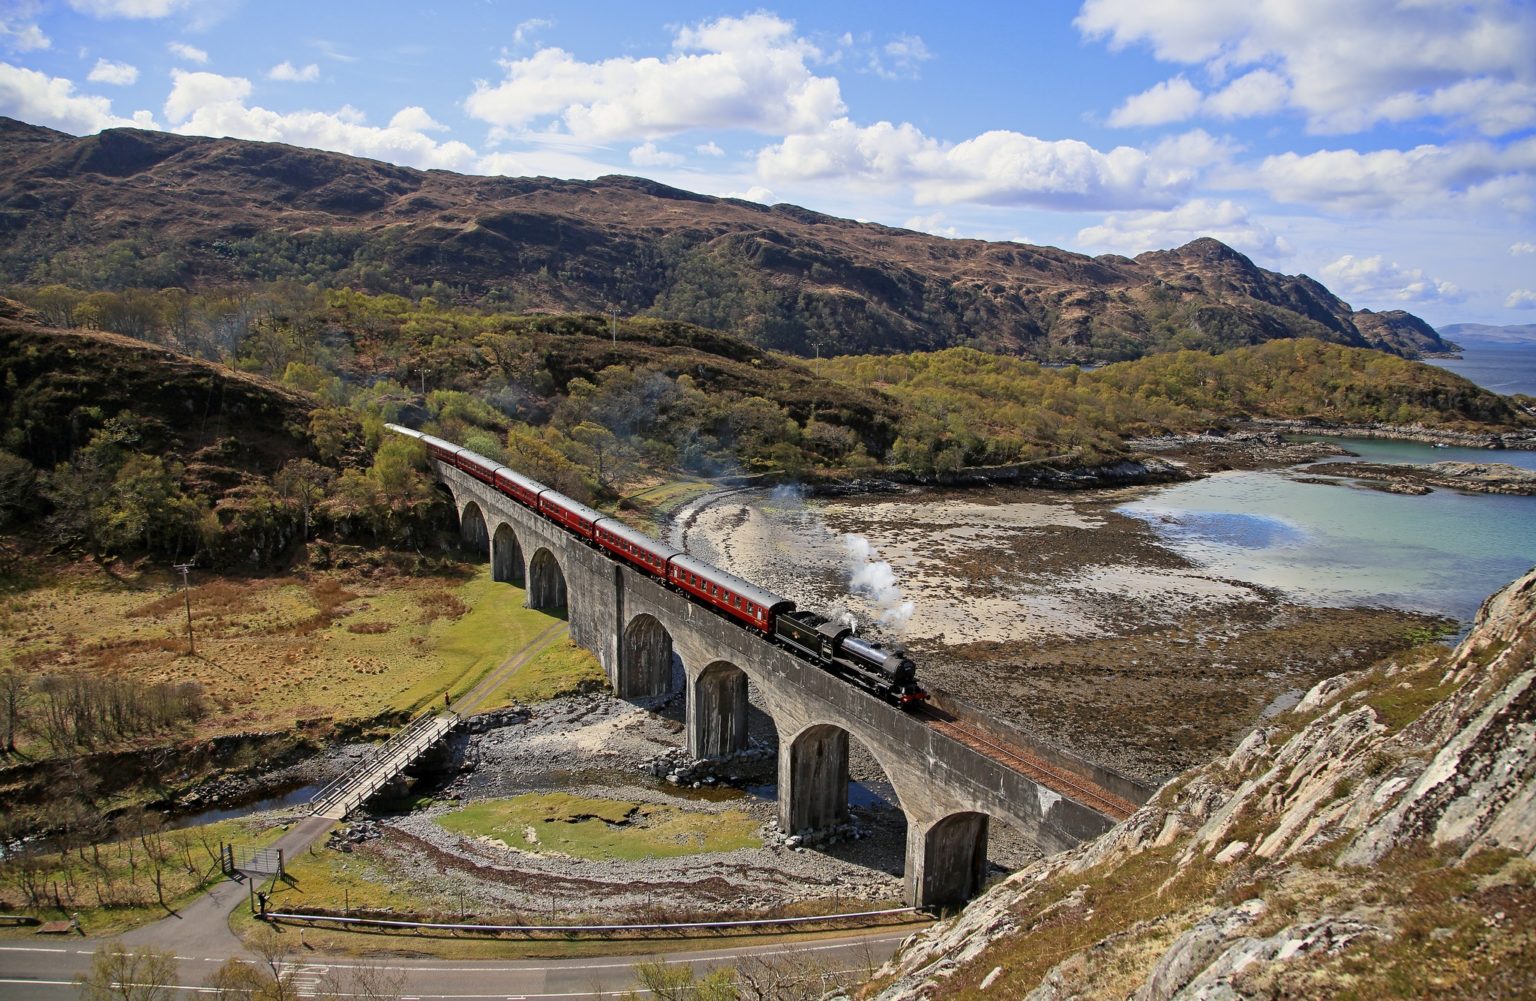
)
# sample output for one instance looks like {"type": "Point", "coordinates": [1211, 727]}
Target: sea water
{"type": "Point", "coordinates": [1502, 368]}
{"type": "Point", "coordinates": [1340, 543]}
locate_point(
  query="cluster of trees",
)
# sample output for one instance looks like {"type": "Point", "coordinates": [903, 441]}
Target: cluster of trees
{"type": "Point", "coordinates": [73, 710]}
{"type": "Point", "coordinates": [970, 408]}
{"type": "Point", "coordinates": [569, 402]}
{"type": "Point", "coordinates": [132, 861]}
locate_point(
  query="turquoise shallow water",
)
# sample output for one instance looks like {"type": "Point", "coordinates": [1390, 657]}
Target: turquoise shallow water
{"type": "Point", "coordinates": [1443, 552]}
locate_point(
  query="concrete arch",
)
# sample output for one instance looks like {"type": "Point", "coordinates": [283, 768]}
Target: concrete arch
{"type": "Point", "coordinates": [645, 659]}
{"type": "Point", "coordinates": [546, 581]}
{"type": "Point", "coordinates": [474, 536]}
{"type": "Point", "coordinates": [949, 865]}
{"type": "Point", "coordinates": [507, 563]}
{"type": "Point", "coordinates": [717, 712]}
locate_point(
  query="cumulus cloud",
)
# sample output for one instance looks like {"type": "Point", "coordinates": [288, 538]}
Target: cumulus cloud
{"type": "Point", "coordinates": [289, 73]}
{"type": "Point", "coordinates": [44, 100]}
{"type": "Point", "coordinates": [136, 9]}
{"type": "Point", "coordinates": [213, 105]}
{"type": "Point", "coordinates": [1521, 298]}
{"type": "Point", "coordinates": [23, 37]}
{"type": "Point", "coordinates": [190, 53]}
{"type": "Point", "coordinates": [648, 155]}
{"type": "Point", "coordinates": [1428, 177]}
{"type": "Point", "coordinates": [1377, 278]}
{"type": "Point", "coordinates": [710, 148]}
{"type": "Point", "coordinates": [1227, 221]}
{"type": "Point", "coordinates": [1170, 101]}
{"type": "Point", "coordinates": [1346, 66]}
{"type": "Point", "coordinates": [1523, 247]}
{"type": "Point", "coordinates": [416, 119]}
{"type": "Point", "coordinates": [750, 72]}
{"type": "Point", "coordinates": [118, 74]}
{"type": "Point", "coordinates": [996, 168]}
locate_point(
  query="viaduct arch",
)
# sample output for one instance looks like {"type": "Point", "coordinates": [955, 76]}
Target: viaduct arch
{"type": "Point", "coordinates": [637, 629]}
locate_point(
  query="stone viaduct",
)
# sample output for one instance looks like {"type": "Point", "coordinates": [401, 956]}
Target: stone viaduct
{"type": "Point", "coordinates": [634, 625]}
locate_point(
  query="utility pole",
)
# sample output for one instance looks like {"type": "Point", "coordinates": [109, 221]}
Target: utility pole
{"type": "Point", "coordinates": [186, 594]}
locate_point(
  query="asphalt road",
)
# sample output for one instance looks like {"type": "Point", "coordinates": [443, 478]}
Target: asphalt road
{"type": "Point", "coordinates": [48, 971]}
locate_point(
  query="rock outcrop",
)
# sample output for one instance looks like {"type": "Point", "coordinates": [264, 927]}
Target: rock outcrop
{"type": "Point", "coordinates": [1380, 836]}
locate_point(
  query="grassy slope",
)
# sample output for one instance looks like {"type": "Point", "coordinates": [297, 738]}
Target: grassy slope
{"type": "Point", "coordinates": [274, 650]}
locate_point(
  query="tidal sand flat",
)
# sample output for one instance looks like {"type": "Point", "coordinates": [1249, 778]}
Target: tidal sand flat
{"type": "Point", "coordinates": [1078, 617]}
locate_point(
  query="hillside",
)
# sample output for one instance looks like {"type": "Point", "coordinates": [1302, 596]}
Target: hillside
{"type": "Point", "coordinates": [1486, 333]}
{"type": "Point", "coordinates": [136, 208]}
{"type": "Point", "coordinates": [1376, 841]}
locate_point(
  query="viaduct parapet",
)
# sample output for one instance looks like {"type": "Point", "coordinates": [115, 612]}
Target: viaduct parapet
{"type": "Point", "coordinates": [635, 626]}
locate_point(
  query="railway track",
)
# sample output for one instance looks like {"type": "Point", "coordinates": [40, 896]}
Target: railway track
{"type": "Point", "coordinates": [1052, 777]}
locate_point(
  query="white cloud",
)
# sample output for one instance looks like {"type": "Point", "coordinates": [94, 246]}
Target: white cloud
{"type": "Point", "coordinates": [213, 105]}
{"type": "Point", "coordinates": [23, 37]}
{"type": "Point", "coordinates": [290, 73]}
{"type": "Point", "coordinates": [1227, 221]}
{"type": "Point", "coordinates": [190, 53]}
{"type": "Point", "coordinates": [416, 119]}
{"type": "Point", "coordinates": [648, 155]}
{"type": "Point", "coordinates": [1170, 101]}
{"type": "Point", "coordinates": [933, 223]}
{"type": "Point", "coordinates": [136, 9]}
{"type": "Point", "coordinates": [1521, 298]}
{"type": "Point", "coordinates": [524, 32]}
{"type": "Point", "coordinates": [750, 73]}
{"type": "Point", "coordinates": [44, 100]}
{"type": "Point", "coordinates": [1523, 247]}
{"type": "Point", "coordinates": [1261, 92]}
{"type": "Point", "coordinates": [995, 168]}
{"type": "Point", "coordinates": [756, 193]}
{"type": "Point", "coordinates": [710, 148]}
{"type": "Point", "coordinates": [1375, 277]}
{"type": "Point", "coordinates": [107, 71]}
{"type": "Point", "coordinates": [1349, 65]}
{"type": "Point", "coordinates": [1425, 178]}
{"type": "Point", "coordinates": [901, 57]}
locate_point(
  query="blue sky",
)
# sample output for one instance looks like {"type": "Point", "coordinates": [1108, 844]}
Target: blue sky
{"type": "Point", "coordinates": [1385, 147]}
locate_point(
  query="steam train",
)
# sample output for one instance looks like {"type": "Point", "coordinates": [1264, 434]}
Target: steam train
{"type": "Point", "coordinates": [832, 646]}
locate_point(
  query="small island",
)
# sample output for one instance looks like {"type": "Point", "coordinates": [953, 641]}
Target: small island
{"type": "Point", "coordinates": [1473, 477]}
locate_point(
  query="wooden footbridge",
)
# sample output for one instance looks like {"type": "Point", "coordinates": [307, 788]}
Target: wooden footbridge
{"type": "Point", "coordinates": [349, 790]}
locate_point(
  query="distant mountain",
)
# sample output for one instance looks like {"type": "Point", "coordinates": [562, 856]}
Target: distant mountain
{"type": "Point", "coordinates": [1472, 333]}
{"type": "Point", "coordinates": [129, 207]}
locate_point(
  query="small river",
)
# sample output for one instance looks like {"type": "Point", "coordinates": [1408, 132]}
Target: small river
{"type": "Point", "coordinates": [1343, 544]}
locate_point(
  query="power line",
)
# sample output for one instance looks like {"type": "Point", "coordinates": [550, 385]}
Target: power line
{"type": "Point", "coordinates": [186, 593]}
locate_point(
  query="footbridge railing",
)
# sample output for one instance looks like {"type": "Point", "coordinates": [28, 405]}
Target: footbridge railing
{"type": "Point", "coordinates": [370, 773]}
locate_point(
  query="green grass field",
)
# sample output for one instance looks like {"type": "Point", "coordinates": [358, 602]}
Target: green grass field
{"type": "Point", "coordinates": [603, 829]}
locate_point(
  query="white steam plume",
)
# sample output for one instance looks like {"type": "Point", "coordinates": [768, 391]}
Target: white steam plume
{"type": "Point", "coordinates": [874, 579]}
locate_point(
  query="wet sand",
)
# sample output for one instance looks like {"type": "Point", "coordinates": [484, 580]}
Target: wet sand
{"type": "Point", "coordinates": [1051, 611]}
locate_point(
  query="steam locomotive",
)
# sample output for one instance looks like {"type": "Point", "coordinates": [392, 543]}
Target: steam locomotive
{"type": "Point", "coordinates": [832, 646]}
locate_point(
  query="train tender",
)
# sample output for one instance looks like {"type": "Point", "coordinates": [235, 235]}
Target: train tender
{"type": "Point", "coordinates": [832, 646]}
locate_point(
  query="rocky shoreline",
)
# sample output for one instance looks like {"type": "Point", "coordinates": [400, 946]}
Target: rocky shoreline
{"type": "Point", "coordinates": [1472, 477]}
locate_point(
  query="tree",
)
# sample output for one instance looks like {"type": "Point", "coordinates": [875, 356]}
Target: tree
{"type": "Point", "coordinates": [117, 974]}
{"type": "Point", "coordinates": [304, 482]}
{"type": "Point", "coordinates": [13, 690]}
{"type": "Point", "coordinates": [600, 440]}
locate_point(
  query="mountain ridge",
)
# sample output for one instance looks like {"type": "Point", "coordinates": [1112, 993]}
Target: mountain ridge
{"type": "Point", "coordinates": [133, 207]}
